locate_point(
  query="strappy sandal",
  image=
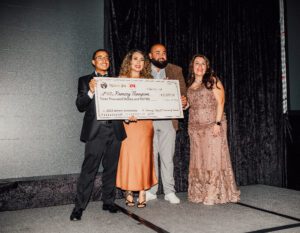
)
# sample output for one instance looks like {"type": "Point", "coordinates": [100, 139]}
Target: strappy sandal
{"type": "Point", "coordinates": [127, 202]}
{"type": "Point", "coordinates": [142, 204]}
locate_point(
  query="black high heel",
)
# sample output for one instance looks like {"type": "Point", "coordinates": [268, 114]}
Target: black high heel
{"type": "Point", "coordinates": [127, 202]}
{"type": "Point", "coordinates": [142, 204]}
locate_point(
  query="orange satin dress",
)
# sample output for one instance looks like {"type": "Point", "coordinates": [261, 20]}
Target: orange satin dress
{"type": "Point", "coordinates": [136, 167]}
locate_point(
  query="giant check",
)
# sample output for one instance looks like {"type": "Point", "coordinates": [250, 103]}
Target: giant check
{"type": "Point", "coordinates": [120, 98]}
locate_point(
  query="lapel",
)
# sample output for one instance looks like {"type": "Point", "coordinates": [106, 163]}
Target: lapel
{"type": "Point", "coordinates": [169, 71]}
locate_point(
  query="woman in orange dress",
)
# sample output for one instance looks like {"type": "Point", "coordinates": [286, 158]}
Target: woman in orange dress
{"type": "Point", "coordinates": [136, 167]}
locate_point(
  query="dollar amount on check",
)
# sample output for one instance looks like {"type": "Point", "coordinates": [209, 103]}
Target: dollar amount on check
{"type": "Point", "coordinates": [120, 98]}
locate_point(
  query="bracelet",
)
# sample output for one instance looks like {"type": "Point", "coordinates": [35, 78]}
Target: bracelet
{"type": "Point", "coordinates": [218, 123]}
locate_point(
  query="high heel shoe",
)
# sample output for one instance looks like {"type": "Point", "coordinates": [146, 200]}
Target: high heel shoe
{"type": "Point", "coordinates": [142, 203]}
{"type": "Point", "coordinates": [128, 202]}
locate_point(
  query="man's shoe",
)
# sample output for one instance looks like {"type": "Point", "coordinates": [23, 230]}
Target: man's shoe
{"type": "Point", "coordinates": [76, 214]}
{"type": "Point", "coordinates": [172, 198]}
{"type": "Point", "coordinates": [110, 207]}
{"type": "Point", "coordinates": [150, 196]}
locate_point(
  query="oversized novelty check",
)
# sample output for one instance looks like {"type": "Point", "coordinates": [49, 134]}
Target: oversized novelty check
{"type": "Point", "coordinates": [120, 98]}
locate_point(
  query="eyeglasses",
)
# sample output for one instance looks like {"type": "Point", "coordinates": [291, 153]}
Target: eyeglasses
{"type": "Point", "coordinates": [102, 58]}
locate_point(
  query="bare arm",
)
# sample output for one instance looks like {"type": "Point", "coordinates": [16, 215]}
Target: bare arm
{"type": "Point", "coordinates": [219, 94]}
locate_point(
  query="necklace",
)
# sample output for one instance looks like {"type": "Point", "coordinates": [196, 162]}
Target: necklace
{"type": "Point", "coordinates": [198, 81]}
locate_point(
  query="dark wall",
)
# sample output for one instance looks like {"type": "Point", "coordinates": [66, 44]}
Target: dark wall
{"type": "Point", "coordinates": [44, 47]}
{"type": "Point", "coordinates": [293, 38]}
{"type": "Point", "coordinates": [293, 158]}
{"type": "Point", "coordinates": [293, 52]}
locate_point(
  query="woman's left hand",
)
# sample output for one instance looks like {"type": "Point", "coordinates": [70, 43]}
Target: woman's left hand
{"type": "Point", "coordinates": [216, 130]}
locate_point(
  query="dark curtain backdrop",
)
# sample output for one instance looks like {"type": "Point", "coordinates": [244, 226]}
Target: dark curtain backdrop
{"type": "Point", "coordinates": [241, 39]}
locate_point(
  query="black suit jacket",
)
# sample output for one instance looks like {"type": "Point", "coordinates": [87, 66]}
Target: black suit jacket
{"type": "Point", "coordinates": [91, 126]}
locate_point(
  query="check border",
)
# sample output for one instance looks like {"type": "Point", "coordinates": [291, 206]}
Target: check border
{"type": "Point", "coordinates": [163, 91]}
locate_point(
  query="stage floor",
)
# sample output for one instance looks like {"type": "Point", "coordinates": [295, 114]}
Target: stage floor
{"type": "Point", "coordinates": [262, 209]}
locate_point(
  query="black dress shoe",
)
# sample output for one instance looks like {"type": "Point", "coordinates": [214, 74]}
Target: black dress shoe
{"type": "Point", "coordinates": [76, 214]}
{"type": "Point", "coordinates": [110, 207]}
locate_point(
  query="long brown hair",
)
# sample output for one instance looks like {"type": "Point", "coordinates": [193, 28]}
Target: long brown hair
{"type": "Point", "coordinates": [125, 70]}
{"type": "Point", "coordinates": [209, 78]}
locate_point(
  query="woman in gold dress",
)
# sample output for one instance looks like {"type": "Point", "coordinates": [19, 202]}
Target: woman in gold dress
{"type": "Point", "coordinates": [211, 178]}
{"type": "Point", "coordinates": [136, 167]}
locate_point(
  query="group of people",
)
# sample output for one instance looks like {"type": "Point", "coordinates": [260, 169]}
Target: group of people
{"type": "Point", "coordinates": [130, 150]}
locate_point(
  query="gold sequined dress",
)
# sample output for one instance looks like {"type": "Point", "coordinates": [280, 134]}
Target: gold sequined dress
{"type": "Point", "coordinates": [211, 178]}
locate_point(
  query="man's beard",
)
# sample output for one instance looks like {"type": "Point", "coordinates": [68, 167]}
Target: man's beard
{"type": "Point", "coordinates": [159, 64]}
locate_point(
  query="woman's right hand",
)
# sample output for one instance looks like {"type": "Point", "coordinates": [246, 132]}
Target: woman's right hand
{"type": "Point", "coordinates": [216, 130]}
{"type": "Point", "coordinates": [132, 119]}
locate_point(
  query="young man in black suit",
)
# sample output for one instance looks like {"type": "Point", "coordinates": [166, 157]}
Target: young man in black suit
{"type": "Point", "coordinates": [102, 142]}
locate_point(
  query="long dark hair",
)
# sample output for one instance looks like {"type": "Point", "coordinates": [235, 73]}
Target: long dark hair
{"type": "Point", "coordinates": [209, 78]}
